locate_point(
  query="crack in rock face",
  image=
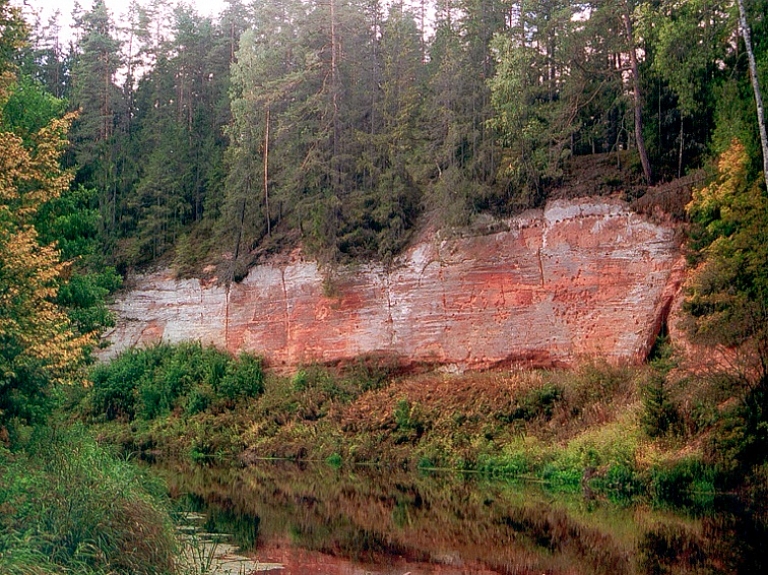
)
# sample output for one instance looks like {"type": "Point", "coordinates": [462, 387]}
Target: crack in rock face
{"type": "Point", "coordinates": [579, 278]}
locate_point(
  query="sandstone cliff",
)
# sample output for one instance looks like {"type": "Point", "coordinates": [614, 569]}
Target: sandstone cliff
{"type": "Point", "coordinates": [578, 278]}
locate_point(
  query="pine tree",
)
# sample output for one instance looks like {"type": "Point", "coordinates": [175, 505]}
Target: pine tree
{"type": "Point", "coordinates": [100, 102]}
{"type": "Point", "coordinates": [13, 34]}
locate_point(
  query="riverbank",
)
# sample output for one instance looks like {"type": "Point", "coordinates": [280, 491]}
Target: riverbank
{"type": "Point", "coordinates": [627, 432]}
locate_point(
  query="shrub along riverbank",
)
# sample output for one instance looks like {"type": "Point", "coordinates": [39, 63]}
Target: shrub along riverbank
{"type": "Point", "coordinates": [628, 432]}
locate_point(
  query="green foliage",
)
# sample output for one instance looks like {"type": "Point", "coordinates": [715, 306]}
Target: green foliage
{"type": "Point", "coordinates": [739, 436]}
{"type": "Point", "coordinates": [410, 421]}
{"type": "Point", "coordinates": [538, 402]}
{"type": "Point", "coordinates": [528, 117]}
{"type": "Point", "coordinates": [511, 466]}
{"type": "Point", "coordinates": [683, 77]}
{"type": "Point", "coordinates": [334, 460]}
{"type": "Point", "coordinates": [622, 481]}
{"type": "Point", "coordinates": [73, 224]}
{"type": "Point", "coordinates": [71, 507]}
{"type": "Point", "coordinates": [243, 379]}
{"type": "Point", "coordinates": [300, 380]}
{"type": "Point", "coordinates": [150, 382]}
{"type": "Point", "coordinates": [29, 108]}
{"type": "Point", "coordinates": [113, 392]}
{"type": "Point", "coordinates": [560, 477]}
{"type": "Point", "coordinates": [365, 373]}
{"type": "Point", "coordinates": [199, 399]}
{"type": "Point", "coordinates": [686, 482]}
{"type": "Point", "coordinates": [38, 346]}
{"type": "Point", "coordinates": [659, 416]}
{"type": "Point", "coordinates": [727, 301]}
{"type": "Point", "coordinates": [403, 414]}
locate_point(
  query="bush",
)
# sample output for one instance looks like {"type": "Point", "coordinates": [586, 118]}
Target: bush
{"type": "Point", "coordinates": [113, 392]}
{"type": "Point", "coordinates": [244, 378]}
{"type": "Point", "coordinates": [409, 420]}
{"type": "Point", "coordinates": [334, 460]}
{"type": "Point", "coordinates": [622, 481]}
{"type": "Point", "coordinates": [539, 402]}
{"type": "Point", "coordinates": [326, 386]}
{"type": "Point", "coordinates": [594, 382]}
{"type": "Point", "coordinates": [562, 477]}
{"type": "Point", "coordinates": [300, 381]}
{"type": "Point", "coordinates": [151, 382]}
{"type": "Point", "coordinates": [739, 438]}
{"type": "Point", "coordinates": [682, 482]}
{"type": "Point", "coordinates": [199, 399]}
{"type": "Point", "coordinates": [372, 371]}
{"type": "Point", "coordinates": [508, 466]}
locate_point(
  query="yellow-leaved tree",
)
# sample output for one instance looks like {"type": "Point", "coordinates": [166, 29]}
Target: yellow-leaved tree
{"type": "Point", "coordinates": [727, 305]}
{"type": "Point", "coordinates": [38, 348]}
{"type": "Point", "coordinates": [727, 301]}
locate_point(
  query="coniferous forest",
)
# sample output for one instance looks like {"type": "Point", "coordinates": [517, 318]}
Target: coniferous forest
{"type": "Point", "coordinates": [342, 123]}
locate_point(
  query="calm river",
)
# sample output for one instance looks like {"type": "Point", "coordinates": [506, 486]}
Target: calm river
{"type": "Point", "coordinates": [315, 519]}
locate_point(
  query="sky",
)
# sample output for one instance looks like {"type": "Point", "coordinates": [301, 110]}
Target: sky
{"type": "Point", "coordinates": [46, 8]}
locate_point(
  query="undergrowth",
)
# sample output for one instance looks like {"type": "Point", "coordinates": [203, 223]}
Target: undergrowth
{"type": "Point", "coordinates": [68, 506]}
{"type": "Point", "coordinates": [151, 382]}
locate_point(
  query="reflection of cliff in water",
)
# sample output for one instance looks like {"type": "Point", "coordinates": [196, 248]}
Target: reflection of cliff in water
{"type": "Point", "coordinates": [449, 524]}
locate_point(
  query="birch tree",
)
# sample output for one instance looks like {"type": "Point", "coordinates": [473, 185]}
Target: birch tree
{"type": "Point", "coordinates": [745, 32]}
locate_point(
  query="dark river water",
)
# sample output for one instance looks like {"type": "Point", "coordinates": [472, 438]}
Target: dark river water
{"type": "Point", "coordinates": [305, 519]}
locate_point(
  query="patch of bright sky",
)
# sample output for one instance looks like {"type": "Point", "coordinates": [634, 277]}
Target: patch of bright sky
{"type": "Point", "coordinates": [44, 9]}
{"type": "Point", "coordinates": [118, 9]}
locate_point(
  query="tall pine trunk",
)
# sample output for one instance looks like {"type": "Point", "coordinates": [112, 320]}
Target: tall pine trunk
{"type": "Point", "coordinates": [638, 96]}
{"type": "Point", "coordinates": [266, 173]}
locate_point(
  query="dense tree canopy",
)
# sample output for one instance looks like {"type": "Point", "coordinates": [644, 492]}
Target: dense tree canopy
{"type": "Point", "coordinates": [343, 123]}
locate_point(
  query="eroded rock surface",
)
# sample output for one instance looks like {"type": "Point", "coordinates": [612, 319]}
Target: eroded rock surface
{"type": "Point", "coordinates": [578, 278]}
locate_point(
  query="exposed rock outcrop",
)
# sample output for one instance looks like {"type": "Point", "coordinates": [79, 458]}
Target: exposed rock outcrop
{"type": "Point", "coordinates": [578, 278]}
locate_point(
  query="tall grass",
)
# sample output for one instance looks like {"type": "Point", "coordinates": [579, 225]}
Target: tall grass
{"type": "Point", "coordinates": [69, 506]}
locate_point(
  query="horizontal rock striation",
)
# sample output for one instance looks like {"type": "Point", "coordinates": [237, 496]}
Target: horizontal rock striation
{"type": "Point", "coordinates": [579, 278]}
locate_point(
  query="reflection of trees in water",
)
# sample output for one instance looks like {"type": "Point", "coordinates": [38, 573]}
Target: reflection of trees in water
{"type": "Point", "coordinates": [728, 542]}
{"type": "Point", "coordinates": [369, 515]}
{"type": "Point", "coordinates": [221, 516]}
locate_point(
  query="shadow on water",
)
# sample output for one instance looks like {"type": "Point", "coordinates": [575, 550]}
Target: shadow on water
{"type": "Point", "coordinates": [363, 520]}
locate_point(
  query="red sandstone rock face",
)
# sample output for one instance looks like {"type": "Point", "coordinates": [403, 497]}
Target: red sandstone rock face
{"type": "Point", "coordinates": [579, 278]}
